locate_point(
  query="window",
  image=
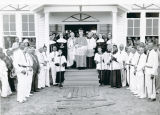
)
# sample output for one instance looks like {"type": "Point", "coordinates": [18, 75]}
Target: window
{"type": "Point", "coordinates": [9, 25]}
{"type": "Point", "coordinates": [133, 24]}
{"type": "Point", "coordinates": [105, 28]}
{"type": "Point", "coordinates": [133, 27]}
{"type": "Point", "coordinates": [28, 25]}
{"type": "Point", "coordinates": [152, 22]}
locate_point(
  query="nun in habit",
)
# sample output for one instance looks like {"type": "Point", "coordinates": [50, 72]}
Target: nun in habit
{"type": "Point", "coordinates": [71, 50]}
{"type": "Point", "coordinates": [62, 44]}
{"type": "Point", "coordinates": [100, 41]}
{"type": "Point", "coordinates": [115, 69]}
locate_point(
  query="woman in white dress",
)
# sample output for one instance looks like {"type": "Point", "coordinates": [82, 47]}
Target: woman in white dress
{"type": "Point", "coordinates": [5, 91]}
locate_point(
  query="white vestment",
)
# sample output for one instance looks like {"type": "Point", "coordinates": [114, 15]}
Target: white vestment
{"type": "Point", "coordinates": [41, 76]}
{"type": "Point", "coordinates": [107, 58]}
{"type": "Point", "coordinates": [123, 59]}
{"type": "Point", "coordinates": [29, 74]}
{"type": "Point", "coordinates": [133, 84]}
{"type": "Point", "coordinates": [71, 51]}
{"type": "Point", "coordinates": [60, 60]}
{"type": "Point", "coordinates": [140, 75]}
{"type": "Point", "coordinates": [52, 57]}
{"type": "Point", "coordinates": [100, 59]}
{"type": "Point", "coordinates": [90, 47]}
{"type": "Point", "coordinates": [46, 59]}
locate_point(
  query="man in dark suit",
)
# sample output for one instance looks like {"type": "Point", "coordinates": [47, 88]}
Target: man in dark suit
{"type": "Point", "coordinates": [9, 63]}
{"type": "Point", "coordinates": [35, 71]}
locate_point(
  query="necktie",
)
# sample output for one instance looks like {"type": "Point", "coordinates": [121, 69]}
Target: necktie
{"type": "Point", "coordinates": [138, 59]}
{"type": "Point", "coordinates": [147, 56]}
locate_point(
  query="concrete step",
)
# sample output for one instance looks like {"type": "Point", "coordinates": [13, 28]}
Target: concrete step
{"type": "Point", "coordinates": [85, 70]}
{"type": "Point", "coordinates": [81, 73]}
{"type": "Point", "coordinates": [80, 79]}
{"type": "Point", "coordinates": [81, 83]}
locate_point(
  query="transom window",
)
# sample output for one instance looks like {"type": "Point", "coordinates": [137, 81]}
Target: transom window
{"type": "Point", "coordinates": [28, 25]}
{"type": "Point", "coordinates": [9, 25]}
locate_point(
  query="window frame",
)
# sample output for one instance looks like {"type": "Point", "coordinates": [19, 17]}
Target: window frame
{"type": "Point", "coordinates": [28, 27]}
{"type": "Point", "coordinates": [9, 25]}
{"type": "Point", "coordinates": [133, 28]}
{"type": "Point", "coordinates": [152, 26]}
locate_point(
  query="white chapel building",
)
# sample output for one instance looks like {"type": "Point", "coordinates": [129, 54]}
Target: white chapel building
{"type": "Point", "coordinates": [37, 22]}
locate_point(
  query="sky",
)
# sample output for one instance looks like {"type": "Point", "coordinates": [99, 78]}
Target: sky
{"type": "Point", "coordinates": [79, 2]}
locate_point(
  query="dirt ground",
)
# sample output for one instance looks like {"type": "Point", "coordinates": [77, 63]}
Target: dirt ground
{"type": "Point", "coordinates": [81, 101]}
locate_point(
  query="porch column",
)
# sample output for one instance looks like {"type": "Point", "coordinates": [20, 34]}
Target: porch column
{"type": "Point", "coordinates": [36, 30]}
{"type": "Point", "coordinates": [47, 31]}
{"type": "Point", "coordinates": [19, 25]}
{"type": "Point", "coordinates": [142, 27]}
{"type": "Point", "coordinates": [114, 27]}
{"type": "Point", "coordinates": [159, 28]}
{"type": "Point", "coordinates": [1, 32]}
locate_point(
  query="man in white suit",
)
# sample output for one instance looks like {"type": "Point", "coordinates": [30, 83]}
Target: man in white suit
{"type": "Point", "coordinates": [21, 67]}
{"type": "Point", "coordinates": [41, 76]}
{"type": "Point", "coordinates": [139, 73]}
{"type": "Point", "coordinates": [151, 71]}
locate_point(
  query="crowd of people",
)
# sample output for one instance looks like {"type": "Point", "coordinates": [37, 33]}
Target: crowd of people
{"type": "Point", "coordinates": [135, 67]}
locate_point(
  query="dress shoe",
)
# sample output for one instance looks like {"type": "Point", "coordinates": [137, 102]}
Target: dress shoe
{"type": "Point", "coordinates": [153, 100]}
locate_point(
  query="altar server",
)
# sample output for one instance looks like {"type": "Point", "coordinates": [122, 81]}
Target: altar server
{"type": "Point", "coordinates": [60, 62]}
{"type": "Point", "coordinates": [99, 59]}
{"type": "Point", "coordinates": [52, 57]}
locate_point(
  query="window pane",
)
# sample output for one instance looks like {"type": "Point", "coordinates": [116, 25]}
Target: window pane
{"type": "Point", "coordinates": [13, 33]}
{"type": "Point", "coordinates": [136, 23]}
{"type": "Point", "coordinates": [24, 26]}
{"type": "Point", "coordinates": [155, 31]}
{"type": "Point", "coordinates": [25, 33]}
{"type": "Point", "coordinates": [5, 18]}
{"type": "Point", "coordinates": [6, 33]}
{"type": "Point", "coordinates": [12, 27]}
{"type": "Point", "coordinates": [155, 23]}
{"type": "Point", "coordinates": [5, 27]}
{"type": "Point", "coordinates": [136, 31]}
{"type": "Point", "coordinates": [130, 23]}
{"type": "Point", "coordinates": [148, 31]}
{"type": "Point", "coordinates": [31, 18]}
{"type": "Point", "coordinates": [149, 23]}
{"type": "Point", "coordinates": [31, 33]}
{"type": "Point", "coordinates": [130, 31]}
{"type": "Point", "coordinates": [12, 18]}
{"type": "Point", "coordinates": [24, 18]}
{"type": "Point", "coordinates": [133, 15]}
{"type": "Point", "coordinates": [31, 26]}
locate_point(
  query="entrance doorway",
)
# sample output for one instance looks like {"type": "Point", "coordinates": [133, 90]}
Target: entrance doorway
{"type": "Point", "coordinates": [86, 27]}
